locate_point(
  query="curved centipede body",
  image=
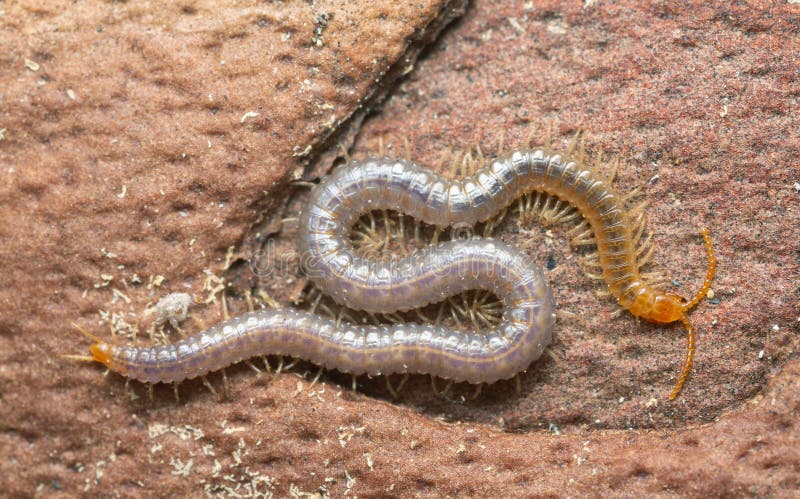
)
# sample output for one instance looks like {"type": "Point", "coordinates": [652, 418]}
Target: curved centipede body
{"type": "Point", "coordinates": [426, 276]}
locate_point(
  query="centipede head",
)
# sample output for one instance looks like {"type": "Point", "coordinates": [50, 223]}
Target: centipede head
{"type": "Point", "coordinates": [101, 352]}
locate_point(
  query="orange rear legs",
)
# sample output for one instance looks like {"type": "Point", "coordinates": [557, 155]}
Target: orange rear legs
{"type": "Point", "coordinates": [691, 337]}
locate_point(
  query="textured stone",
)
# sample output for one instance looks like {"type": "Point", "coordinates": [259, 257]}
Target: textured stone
{"type": "Point", "coordinates": [699, 103]}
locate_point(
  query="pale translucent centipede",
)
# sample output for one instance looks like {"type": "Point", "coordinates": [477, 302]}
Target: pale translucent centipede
{"type": "Point", "coordinates": [426, 276]}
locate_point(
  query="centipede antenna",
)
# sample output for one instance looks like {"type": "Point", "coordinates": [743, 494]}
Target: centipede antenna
{"type": "Point", "coordinates": [687, 364]}
{"type": "Point", "coordinates": [712, 269]}
{"type": "Point", "coordinates": [79, 358]}
{"type": "Point", "coordinates": [83, 358]}
{"type": "Point", "coordinates": [86, 333]}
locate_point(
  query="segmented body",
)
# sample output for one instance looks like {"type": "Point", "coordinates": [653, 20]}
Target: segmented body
{"type": "Point", "coordinates": [426, 276]}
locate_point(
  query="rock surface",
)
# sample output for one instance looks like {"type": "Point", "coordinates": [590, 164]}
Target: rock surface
{"type": "Point", "coordinates": [138, 145]}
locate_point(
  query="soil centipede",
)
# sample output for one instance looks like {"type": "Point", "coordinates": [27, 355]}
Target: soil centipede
{"type": "Point", "coordinates": [426, 276]}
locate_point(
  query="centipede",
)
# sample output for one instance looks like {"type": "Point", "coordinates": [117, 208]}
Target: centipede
{"type": "Point", "coordinates": [428, 275]}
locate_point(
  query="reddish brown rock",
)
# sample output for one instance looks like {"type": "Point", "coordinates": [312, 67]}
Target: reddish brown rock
{"type": "Point", "coordinates": [108, 173]}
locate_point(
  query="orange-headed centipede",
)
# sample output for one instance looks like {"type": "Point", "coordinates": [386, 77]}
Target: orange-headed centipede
{"type": "Point", "coordinates": [426, 276]}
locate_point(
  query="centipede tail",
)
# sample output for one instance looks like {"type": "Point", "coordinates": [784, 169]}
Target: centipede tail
{"type": "Point", "coordinates": [712, 269]}
{"type": "Point", "coordinates": [687, 363]}
{"type": "Point", "coordinates": [690, 332]}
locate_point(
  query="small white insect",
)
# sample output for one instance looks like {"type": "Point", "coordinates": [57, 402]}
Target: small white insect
{"type": "Point", "coordinates": [173, 308]}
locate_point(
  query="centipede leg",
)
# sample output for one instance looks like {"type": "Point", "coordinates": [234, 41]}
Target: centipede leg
{"type": "Point", "coordinates": [595, 276]}
{"type": "Point", "coordinates": [477, 392]}
{"type": "Point", "coordinates": [433, 386]}
{"type": "Point", "coordinates": [446, 389]}
{"type": "Point", "coordinates": [402, 383]}
{"type": "Point", "coordinates": [566, 315]}
{"type": "Point", "coordinates": [353, 386]}
{"type": "Point", "coordinates": [612, 176]}
{"type": "Point", "coordinates": [585, 239]}
{"type": "Point", "coordinates": [602, 293]}
{"type": "Point", "coordinates": [553, 355]}
{"type": "Point", "coordinates": [391, 389]}
{"type": "Point", "coordinates": [575, 144]}
{"type": "Point", "coordinates": [591, 260]}
{"type": "Point", "coordinates": [645, 251]}
{"type": "Point", "coordinates": [529, 138]}
{"type": "Point", "coordinates": [225, 384]}
{"type": "Point", "coordinates": [316, 378]}
{"type": "Point", "coordinates": [437, 166]}
{"type": "Point", "coordinates": [401, 235]}
{"type": "Point", "coordinates": [519, 384]}
{"type": "Point", "coordinates": [253, 367]}
{"type": "Point", "coordinates": [175, 392]}
{"type": "Point", "coordinates": [481, 157]}
{"type": "Point", "coordinates": [210, 387]}
{"type": "Point", "coordinates": [454, 162]}
{"type": "Point", "coordinates": [150, 393]}
{"type": "Point", "coordinates": [387, 228]}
